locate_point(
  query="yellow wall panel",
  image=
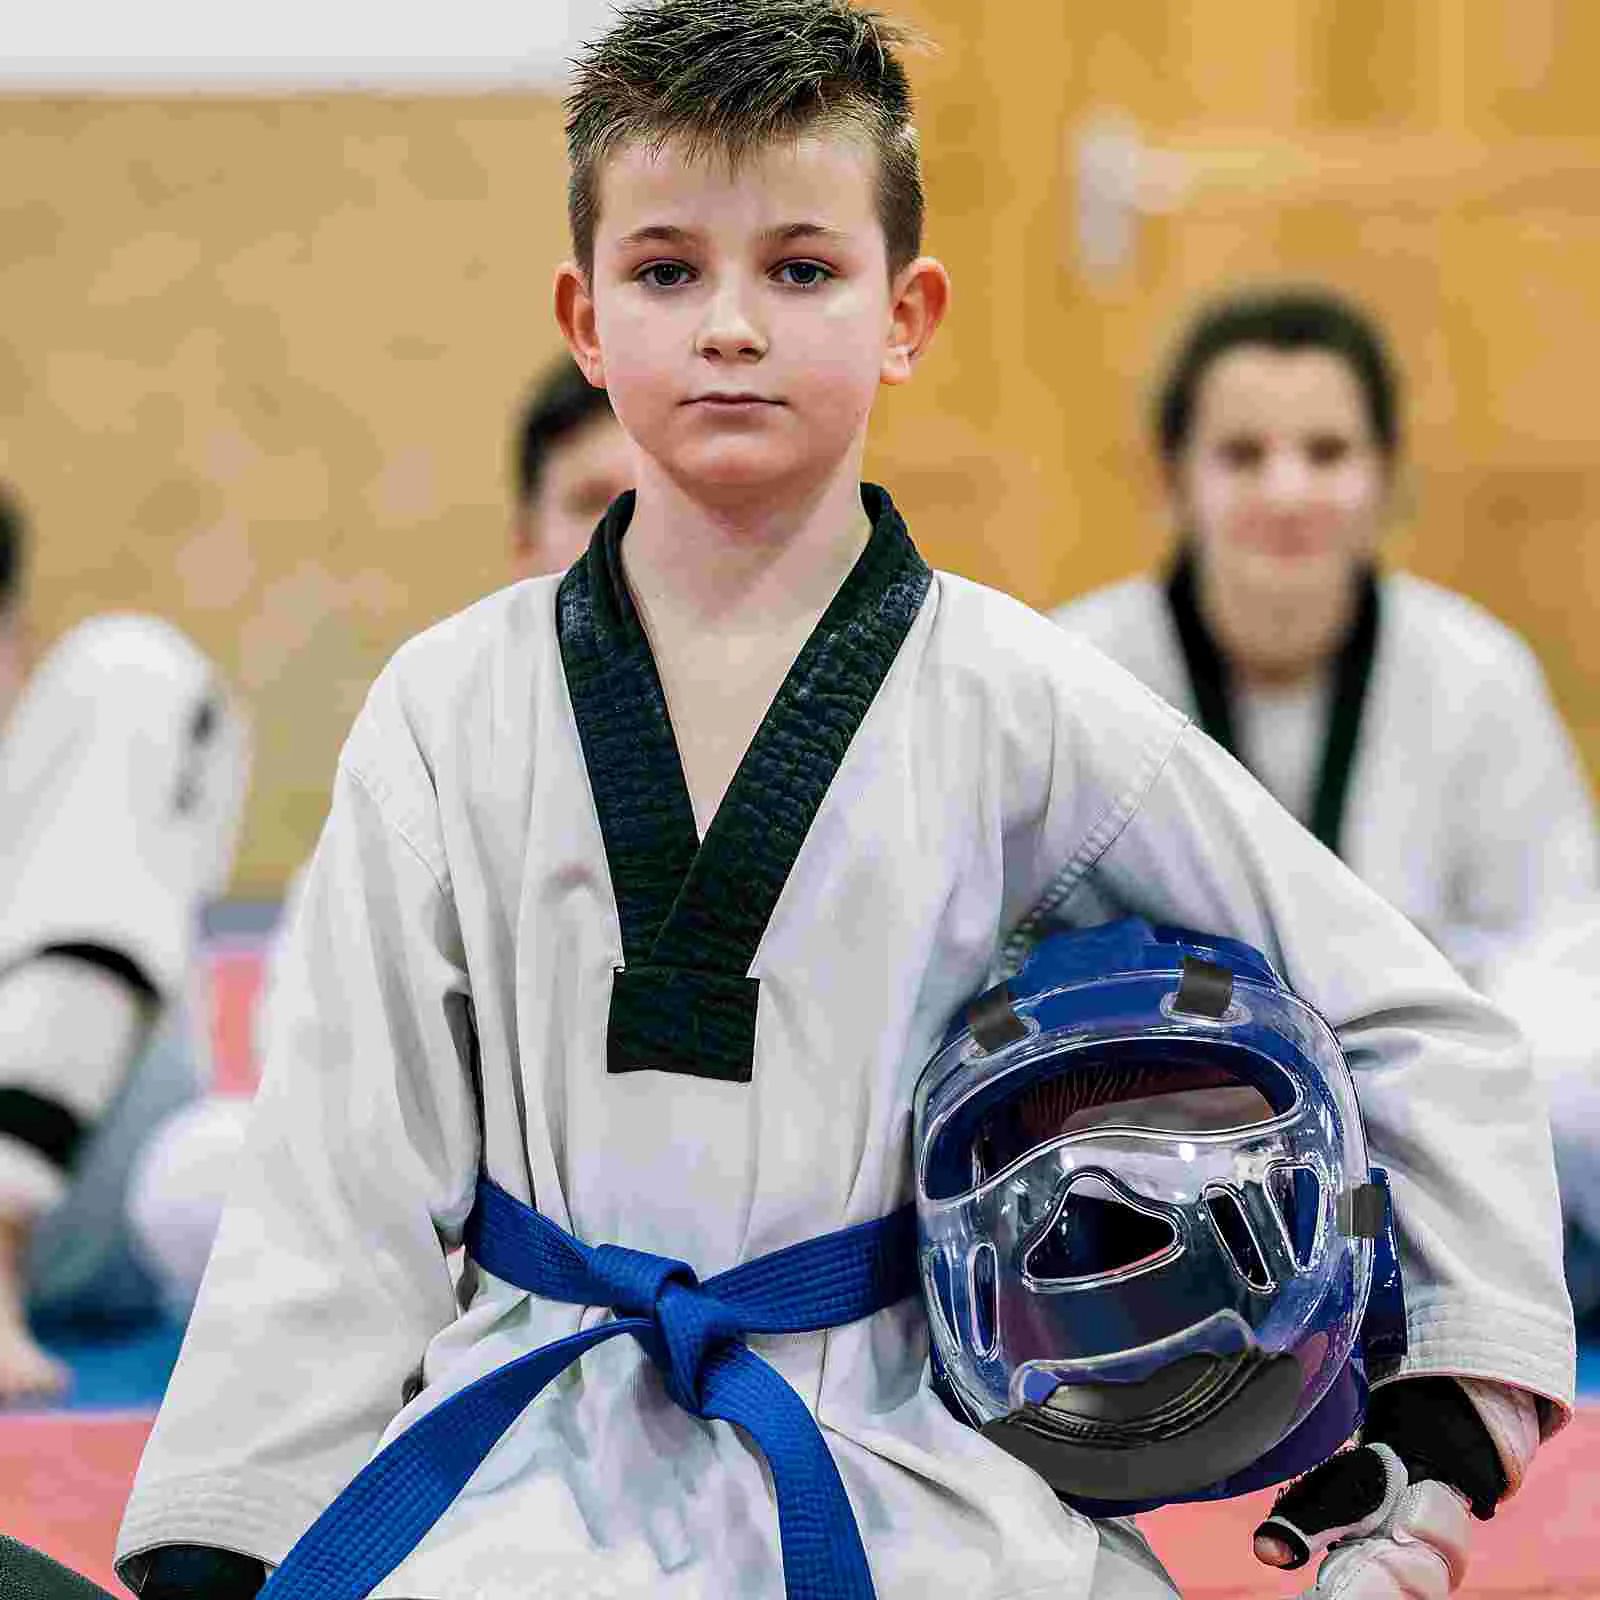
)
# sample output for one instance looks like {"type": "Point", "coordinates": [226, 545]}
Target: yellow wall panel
{"type": "Point", "coordinates": [260, 356]}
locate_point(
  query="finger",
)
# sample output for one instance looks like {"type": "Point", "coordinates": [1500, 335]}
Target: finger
{"type": "Point", "coordinates": [1276, 1552]}
{"type": "Point", "coordinates": [1346, 1497]}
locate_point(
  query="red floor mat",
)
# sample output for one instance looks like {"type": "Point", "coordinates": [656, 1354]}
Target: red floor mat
{"type": "Point", "coordinates": [235, 972]}
{"type": "Point", "coordinates": [65, 1479]}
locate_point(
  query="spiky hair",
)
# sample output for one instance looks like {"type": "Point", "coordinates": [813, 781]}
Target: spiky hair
{"type": "Point", "coordinates": [731, 77]}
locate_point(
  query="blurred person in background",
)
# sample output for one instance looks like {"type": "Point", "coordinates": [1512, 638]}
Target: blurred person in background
{"type": "Point", "coordinates": [1409, 729]}
{"type": "Point", "coordinates": [570, 460]}
{"type": "Point", "coordinates": [123, 767]}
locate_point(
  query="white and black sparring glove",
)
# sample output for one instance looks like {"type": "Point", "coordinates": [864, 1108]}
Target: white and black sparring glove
{"type": "Point", "coordinates": [1393, 1512]}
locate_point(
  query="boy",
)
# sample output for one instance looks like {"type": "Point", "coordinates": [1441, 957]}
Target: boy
{"type": "Point", "coordinates": [123, 765]}
{"type": "Point", "coordinates": [648, 892]}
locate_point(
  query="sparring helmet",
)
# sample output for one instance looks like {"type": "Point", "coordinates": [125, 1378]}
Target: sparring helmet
{"type": "Point", "coordinates": [1147, 1225]}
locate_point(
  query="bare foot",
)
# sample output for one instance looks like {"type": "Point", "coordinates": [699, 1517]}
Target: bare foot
{"type": "Point", "coordinates": [26, 1372]}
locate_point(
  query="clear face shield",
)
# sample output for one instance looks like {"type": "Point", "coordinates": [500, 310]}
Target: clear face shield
{"type": "Point", "coordinates": [1138, 1252]}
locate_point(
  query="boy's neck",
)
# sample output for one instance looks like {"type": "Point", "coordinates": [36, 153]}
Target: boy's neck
{"type": "Point", "coordinates": [742, 561]}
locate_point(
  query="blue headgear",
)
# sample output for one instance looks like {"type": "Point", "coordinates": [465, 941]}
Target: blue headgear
{"type": "Point", "coordinates": [1154, 1256]}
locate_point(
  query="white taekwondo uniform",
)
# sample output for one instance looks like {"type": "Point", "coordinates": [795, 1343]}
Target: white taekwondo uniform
{"type": "Point", "coordinates": [1466, 803]}
{"type": "Point", "coordinates": [515, 957]}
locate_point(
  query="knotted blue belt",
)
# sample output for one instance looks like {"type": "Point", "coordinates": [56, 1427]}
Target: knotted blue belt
{"type": "Point", "coordinates": [692, 1331]}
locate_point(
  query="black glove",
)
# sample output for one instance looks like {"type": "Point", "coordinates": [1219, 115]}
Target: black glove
{"type": "Point", "coordinates": [197, 1572]}
{"type": "Point", "coordinates": [1395, 1508]}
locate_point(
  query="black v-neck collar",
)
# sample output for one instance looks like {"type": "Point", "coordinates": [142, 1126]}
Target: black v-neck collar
{"type": "Point", "coordinates": [1212, 685]}
{"type": "Point", "coordinates": [693, 913]}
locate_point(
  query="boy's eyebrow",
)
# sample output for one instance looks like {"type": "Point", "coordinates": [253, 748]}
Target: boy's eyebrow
{"type": "Point", "coordinates": [657, 233]}
{"type": "Point", "coordinates": [790, 231]}
{"type": "Point", "coordinates": [783, 233]}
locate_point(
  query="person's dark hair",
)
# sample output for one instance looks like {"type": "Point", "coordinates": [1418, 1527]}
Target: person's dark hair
{"type": "Point", "coordinates": [12, 528]}
{"type": "Point", "coordinates": [559, 404]}
{"type": "Point", "coordinates": [732, 76]}
{"type": "Point", "coordinates": [1292, 319]}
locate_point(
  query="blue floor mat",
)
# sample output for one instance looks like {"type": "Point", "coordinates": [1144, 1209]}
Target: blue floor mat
{"type": "Point", "coordinates": [1589, 1371]}
{"type": "Point", "coordinates": [125, 1369]}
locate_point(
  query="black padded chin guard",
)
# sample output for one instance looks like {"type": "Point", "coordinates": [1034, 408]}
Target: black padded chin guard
{"type": "Point", "coordinates": [1095, 1459]}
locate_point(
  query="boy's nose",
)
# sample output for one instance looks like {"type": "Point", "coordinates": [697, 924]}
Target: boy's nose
{"type": "Point", "coordinates": [729, 332]}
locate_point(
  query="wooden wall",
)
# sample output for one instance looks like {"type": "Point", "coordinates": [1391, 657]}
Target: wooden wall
{"type": "Point", "coordinates": [258, 357]}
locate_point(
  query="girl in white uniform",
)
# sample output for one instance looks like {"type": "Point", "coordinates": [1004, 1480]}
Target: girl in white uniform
{"type": "Point", "coordinates": [1409, 729]}
{"type": "Point", "coordinates": [1412, 731]}
{"type": "Point", "coordinates": [122, 775]}
{"type": "Point", "coordinates": [647, 891]}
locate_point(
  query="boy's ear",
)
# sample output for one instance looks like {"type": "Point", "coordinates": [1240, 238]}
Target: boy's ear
{"type": "Point", "coordinates": [575, 318]}
{"type": "Point", "coordinates": [920, 296]}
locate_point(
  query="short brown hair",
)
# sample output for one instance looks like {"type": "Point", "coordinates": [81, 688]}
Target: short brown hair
{"type": "Point", "coordinates": [732, 76]}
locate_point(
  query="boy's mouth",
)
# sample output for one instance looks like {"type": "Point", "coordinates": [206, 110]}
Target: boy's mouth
{"type": "Point", "coordinates": [732, 401]}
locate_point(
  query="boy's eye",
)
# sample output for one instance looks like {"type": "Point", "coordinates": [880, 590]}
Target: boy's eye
{"type": "Point", "coordinates": [804, 274]}
{"type": "Point", "coordinates": [663, 274]}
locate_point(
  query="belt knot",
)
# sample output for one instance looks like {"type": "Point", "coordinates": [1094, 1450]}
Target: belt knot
{"type": "Point", "coordinates": [687, 1325]}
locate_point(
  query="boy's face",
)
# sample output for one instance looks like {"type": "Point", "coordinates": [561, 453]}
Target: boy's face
{"type": "Point", "coordinates": [742, 318]}
{"type": "Point", "coordinates": [584, 472]}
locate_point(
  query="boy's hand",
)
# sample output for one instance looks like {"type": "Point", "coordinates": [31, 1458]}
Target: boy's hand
{"type": "Point", "coordinates": [1396, 1540]}
{"type": "Point", "coordinates": [1394, 1511]}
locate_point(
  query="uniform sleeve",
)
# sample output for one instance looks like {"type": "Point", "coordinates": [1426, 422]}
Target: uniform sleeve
{"type": "Point", "coordinates": [1527, 843]}
{"type": "Point", "coordinates": [328, 1277]}
{"type": "Point", "coordinates": [67, 1030]}
{"type": "Point", "coordinates": [1449, 1102]}
{"type": "Point", "coordinates": [126, 765]}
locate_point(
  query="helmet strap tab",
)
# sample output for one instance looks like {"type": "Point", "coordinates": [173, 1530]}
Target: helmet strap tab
{"type": "Point", "coordinates": [1204, 990]}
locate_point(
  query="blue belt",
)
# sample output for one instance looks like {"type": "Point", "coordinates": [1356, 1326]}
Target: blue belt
{"type": "Point", "coordinates": [692, 1331]}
